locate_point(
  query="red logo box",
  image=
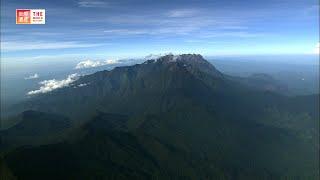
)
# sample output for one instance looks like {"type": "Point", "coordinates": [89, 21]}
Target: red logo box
{"type": "Point", "coordinates": [23, 16]}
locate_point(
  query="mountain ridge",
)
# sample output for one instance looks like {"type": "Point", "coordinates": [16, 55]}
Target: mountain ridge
{"type": "Point", "coordinates": [174, 117]}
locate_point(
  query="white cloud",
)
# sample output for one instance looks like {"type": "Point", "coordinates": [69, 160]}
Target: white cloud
{"type": "Point", "coordinates": [110, 61]}
{"type": "Point", "coordinates": [127, 31]}
{"type": "Point", "coordinates": [174, 30]}
{"type": "Point", "coordinates": [91, 4]}
{"type": "Point", "coordinates": [156, 56]}
{"type": "Point", "coordinates": [50, 85]}
{"type": "Point", "coordinates": [34, 45]}
{"type": "Point", "coordinates": [88, 64]}
{"type": "Point", "coordinates": [238, 34]}
{"type": "Point", "coordinates": [91, 64]}
{"type": "Point", "coordinates": [317, 49]}
{"type": "Point", "coordinates": [83, 84]}
{"type": "Point", "coordinates": [233, 27]}
{"type": "Point", "coordinates": [180, 13]}
{"type": "Point", "coordinates": [35, 76]}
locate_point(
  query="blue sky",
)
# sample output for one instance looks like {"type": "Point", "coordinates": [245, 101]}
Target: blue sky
{"type": "Point", "coordinates": [80, 29]}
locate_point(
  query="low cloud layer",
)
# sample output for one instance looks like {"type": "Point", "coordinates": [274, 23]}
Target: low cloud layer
{"type": "Point", "coordinates": [35, 76]}
{"type": "Point", "coordinates": [91, 64]}
{"type": "Point", "coordinates": [50, 85]}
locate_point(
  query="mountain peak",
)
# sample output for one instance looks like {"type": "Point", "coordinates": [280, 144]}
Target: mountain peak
{"type": "Point", "coordinates": [174, 58]}
{"type": "Point", "coordinates": [191, 62]}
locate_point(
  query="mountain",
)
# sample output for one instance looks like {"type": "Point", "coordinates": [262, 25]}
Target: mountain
{"type": "Point", "coordinates": [263, 82]}
{"type": "Point", "coordinates": [33, 128]}
{"type": "Point", "coordinates": [173, 117]}
{"type": "Point", "coordinates": [122, 89]}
